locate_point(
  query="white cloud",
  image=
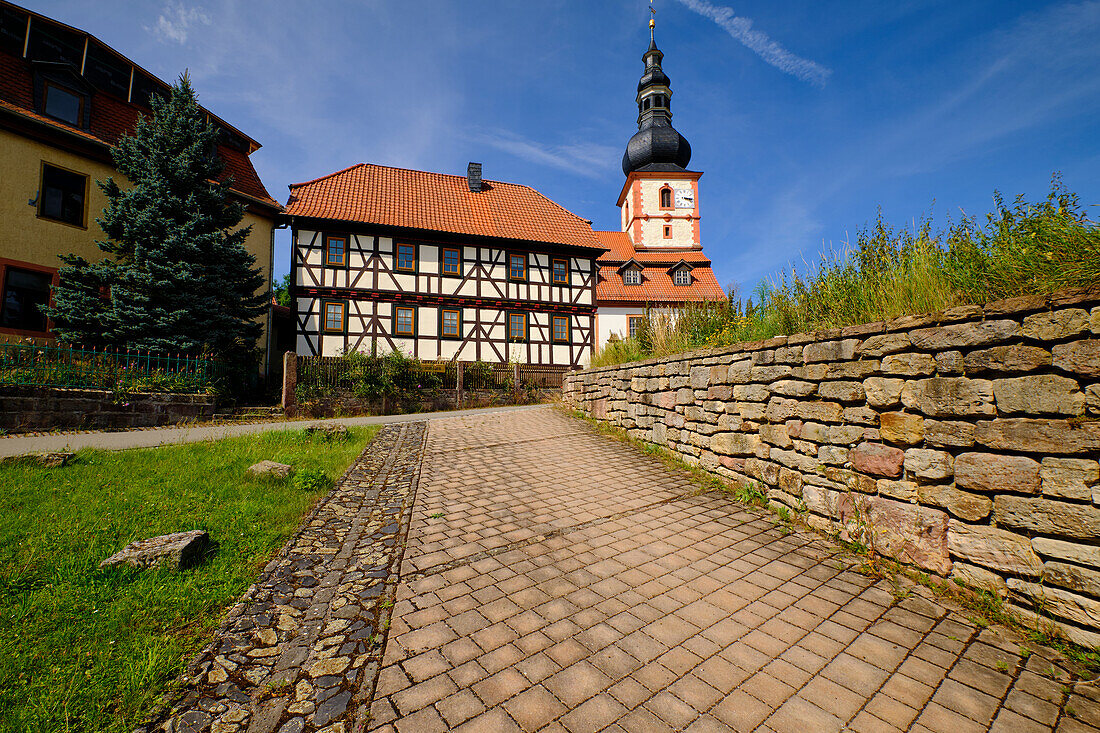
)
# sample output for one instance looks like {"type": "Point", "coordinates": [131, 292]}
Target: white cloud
{"type": "Point", "coordinates": [760, 43]}
{"type": "Point", "coordinates": [583, 158]}
{"type": "Point", "coordinates": [176, 20]}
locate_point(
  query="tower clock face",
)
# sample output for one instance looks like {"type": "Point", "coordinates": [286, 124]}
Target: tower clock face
{"type": "Point", "coordinates": [685, 198]}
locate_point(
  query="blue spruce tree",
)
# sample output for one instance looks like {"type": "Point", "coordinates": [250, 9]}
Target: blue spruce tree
{"type": "Point", "coordinates": [177, 276]}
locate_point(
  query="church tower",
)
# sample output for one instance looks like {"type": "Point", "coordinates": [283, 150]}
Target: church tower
{"type": "Point", "coordinates": [654, 265]}
{"type": "Point", "coordinates": [660, 199]}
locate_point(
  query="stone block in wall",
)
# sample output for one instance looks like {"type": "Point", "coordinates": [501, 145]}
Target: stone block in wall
{"type": "Point", "coordinates": [993, 548]}
{"type": "Point", "coordinates": [1092, 399]}
{"type": "Point", "coordinates": [769, 373]}
{"type": "Point", "coordinates": [763, 471]}
{"type": "Point", "coordinates": [963, 335]}
{"type": "Point", "coordinates": [735, 444]}
{"type": "Point", "coordinates": [754, 411]}
{"type": "Point", "coordinates": [832, 455]}
{"type": "Point", "coordinates": [851, 480]}
{"type": "Point", "coordinates": [700, 377]}
{"type": "Point", "coordinates": [751, 392]}
{"type": "Point", "coordinates": [886, 343]}
{"type": "Point", "coordinates": [853, 369]}
{"type": "Point", "coordinates": [1079, 357]}
{"type": "Point", "coordinates": [1055, 325]}
{"type": "Point", "coordinates": [900, 490]}
{"type": "Point", "coordinates": [685, 396]}
{"type": "Point", "coordinates": [1047, 516]}
{"type": "Point", "coordinates": [1014, 358]}
{"type": "Point", "coordinates": [720, 392]}
{"type": "Point", "coordinates": [1073, 577]}
{"type": "Point", "coordinates": [947, 433]}
{"type": "Point", "coordinates": [1040, 394]}
{"type": "Point", "coordinates": [1057, 602]}
{"type": "Point", "coordinates": [909, 365]}
{"type": "Point", "coordinates": [961, 504]}
{"type": "Point", "coordinates": [950, 363]}
{"type": "Point", "coordinates": [1077, 552]}
{"type": "Point", "coordinates": [811, 372]}
{"type": "Point", "coordinates": [901, 427]}
{"type": "Point", "coordinates": [775, 435]}
{"type": "Point", "coordinates": [929, 464]}
{"type": "Point", "coordinates": [792, 388]}
{"type": "Point", "coordinates": [949, 396]}
{"type": "Point", "coordinates": [766, 356]}
{"type": "Point", "coordinates": [795, 460]}
{"type": "Point", "coordinates": [738, 371]}
{"type": "Point", "coordinates": [1030, 435]}
{"type": "Point", "coordinates": [997, 473]}
{"type": "Point", "coordinates": [860, 416]}
{"type": "Point", "coordinates": [910, 533]}
{"type": "Point", "coordinates": [883, 392]}
{"type": "Point", "coordinates": [790, 481]}
{"type": "Point", "coordinates": [1094, 320]}
{"type": "Point", "coordinates": [847, 435]}
{"type": "Point", "coordinates": [842, 391]}
{"type": "Point", "coordinates": [830, 350]}
{"type": "Point", "coordinates": [1069, 478]}
{"type": "Point", "coordinates": [877, 459]}
{"type": "Point", "coordinates": [664, 400]}
{"type": "Point", "coordinates": [788, 355]}
{"type": "Point", "coordinates": [978, 577]}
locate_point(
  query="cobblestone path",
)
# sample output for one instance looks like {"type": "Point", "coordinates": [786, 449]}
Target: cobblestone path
{"type": "Point", "coordinates": [558, 580]}
{"type": "Point", "coordinates": [301, 650]}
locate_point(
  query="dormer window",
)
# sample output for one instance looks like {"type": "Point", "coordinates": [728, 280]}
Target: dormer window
{"type": "Point", "coordinates": [682, 276]}
{"type": "Point", "coordinates": [632, 276]}
{"type": "Point", "coordinates": [63, 104]}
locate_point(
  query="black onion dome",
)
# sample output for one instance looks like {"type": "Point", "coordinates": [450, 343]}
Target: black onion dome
{"type": "Point", "coordinates": [658, 148]}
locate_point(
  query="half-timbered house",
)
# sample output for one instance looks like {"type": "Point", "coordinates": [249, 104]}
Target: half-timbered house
{"type": "Point", "coordinates": [440, 267]}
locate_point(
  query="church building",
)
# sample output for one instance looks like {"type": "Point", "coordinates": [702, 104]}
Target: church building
{"type": "Point", "coordinates": [656, 263]}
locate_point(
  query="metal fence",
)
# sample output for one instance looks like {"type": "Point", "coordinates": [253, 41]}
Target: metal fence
{"type": "Point", "coordinates": [344, 373]}
{"type": "Point", "coordinates": [54, 365]}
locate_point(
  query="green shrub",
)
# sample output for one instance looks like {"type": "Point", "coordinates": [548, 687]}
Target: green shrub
{"type": "Point", "coordinates": [312, 480]}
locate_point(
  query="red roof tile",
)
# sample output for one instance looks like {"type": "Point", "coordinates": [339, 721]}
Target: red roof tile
{"type": "Point", "coordinates": [657, 287]}
{"type": "Point", "coordinates": [398, 197]}
{"type": "Point", "coordinates": [620, 249]}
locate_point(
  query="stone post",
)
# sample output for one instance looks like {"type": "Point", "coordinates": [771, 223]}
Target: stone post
{"type": "Point", "coordinates": [290, 381]}
{"type": "Point", "coordinates": [515, 382]}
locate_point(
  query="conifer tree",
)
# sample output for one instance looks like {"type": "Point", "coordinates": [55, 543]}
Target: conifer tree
{"type": "Point", "coordinates": [177, 276]}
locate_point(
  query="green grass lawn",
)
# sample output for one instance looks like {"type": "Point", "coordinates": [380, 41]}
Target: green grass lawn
{"type": "Point", "coordinates": [90, 649]}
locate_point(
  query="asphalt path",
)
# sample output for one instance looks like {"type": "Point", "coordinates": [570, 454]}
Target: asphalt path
{"type": "Point", "coordinates": [18, 445]}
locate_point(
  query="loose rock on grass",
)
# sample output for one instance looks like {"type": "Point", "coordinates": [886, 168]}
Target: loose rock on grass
{"type": "Point", "coordinates": [271, 468]}
{"type": "Point", "coordinates": [176, 551]}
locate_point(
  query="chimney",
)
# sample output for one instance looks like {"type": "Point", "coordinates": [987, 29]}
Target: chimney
{"type": "Point", "coordinates": [473, 177]}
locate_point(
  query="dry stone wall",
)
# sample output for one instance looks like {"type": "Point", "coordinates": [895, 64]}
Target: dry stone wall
{"type": "Point", "coordinates": [964, 442]}
{"type": "Point", "coordinates": [29, 409]}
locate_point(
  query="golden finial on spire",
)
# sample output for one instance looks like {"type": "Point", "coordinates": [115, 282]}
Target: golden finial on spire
{"type": "Point", "coordinates": [652, 21]}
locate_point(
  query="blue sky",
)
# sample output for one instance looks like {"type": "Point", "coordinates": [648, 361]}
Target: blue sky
{"type": "Point", "coordinates": [805, 117]}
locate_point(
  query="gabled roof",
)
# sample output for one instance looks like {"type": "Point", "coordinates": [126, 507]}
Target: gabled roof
{"type": "Point", "coordinates": [657, 266]}
{"type": "Point", "coordinates": [374, 194]}
{"type": "Point", "coordinates": [112, 116]}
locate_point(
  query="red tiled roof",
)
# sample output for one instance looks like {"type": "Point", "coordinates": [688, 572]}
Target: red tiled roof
{"type": "Point", "coordinates": [112, 118]}
{"type": "Point", "coordinates": [657, 286]}
{"type": "Point", "coordinates": [398, 197]}
{"type": "Point", "coordinates": [620, 249]}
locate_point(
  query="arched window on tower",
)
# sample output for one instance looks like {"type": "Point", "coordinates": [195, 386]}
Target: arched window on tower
{"type": "Point", "coordinates": [666, 197]}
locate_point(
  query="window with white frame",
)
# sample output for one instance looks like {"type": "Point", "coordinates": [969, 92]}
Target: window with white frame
{"type": "Point", "coordinates": [682, 276]}
{"type": "Point", "coordinates": [632, 276]}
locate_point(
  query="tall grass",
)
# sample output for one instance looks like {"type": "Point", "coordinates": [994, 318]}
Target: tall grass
{"type": "Point", "coordinates": [1022, 248]}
